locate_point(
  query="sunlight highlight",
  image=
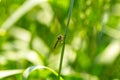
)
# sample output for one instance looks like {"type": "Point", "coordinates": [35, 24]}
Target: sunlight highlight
{"type": "Point", "coordinates": [110, 53]}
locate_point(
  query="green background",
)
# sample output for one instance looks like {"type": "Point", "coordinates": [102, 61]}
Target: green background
{"type": "Point", "coordinates": [29, 30]}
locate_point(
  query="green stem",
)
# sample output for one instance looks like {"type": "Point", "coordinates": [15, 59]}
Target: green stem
{"type": "Point", "coordinates": [64, 39]}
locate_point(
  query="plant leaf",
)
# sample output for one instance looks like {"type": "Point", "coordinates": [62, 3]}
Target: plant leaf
{"type": "Point", "coordinates": [6, 73]}
{"type": "Point", "coordinates": [33, 68]}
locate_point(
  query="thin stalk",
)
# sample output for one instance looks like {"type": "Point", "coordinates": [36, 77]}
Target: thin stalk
{"type": "Point", "coordinates": [64, 39]}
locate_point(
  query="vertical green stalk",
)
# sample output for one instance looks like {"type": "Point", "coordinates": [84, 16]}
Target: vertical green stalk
{"type": "Point", "coordinates": [64, 39]}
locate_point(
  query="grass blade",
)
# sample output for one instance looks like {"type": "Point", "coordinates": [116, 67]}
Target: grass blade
{"type": "Point", "coordinates": [33, 68]}
{"type": "Point", "coordinates": [6, 73]}
{"type": "Point", "coordinates": [64, 39]}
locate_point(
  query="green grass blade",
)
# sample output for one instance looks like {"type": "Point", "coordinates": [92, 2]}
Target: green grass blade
{"type": "Point", "coordinates": [6, 73]}
{"type": "Point", "coordinates": [33, 68]}
{"type": "Point", "coordinates": [64, 40]}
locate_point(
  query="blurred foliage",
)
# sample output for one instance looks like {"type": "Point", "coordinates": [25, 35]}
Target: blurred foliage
{"type": "Point", "coordinates": [29, 29]}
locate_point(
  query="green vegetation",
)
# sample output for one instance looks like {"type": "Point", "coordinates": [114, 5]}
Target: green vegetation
{"type": "Point", "coordinates": [90, 49]}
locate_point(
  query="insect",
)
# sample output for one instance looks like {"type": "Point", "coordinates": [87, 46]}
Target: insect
{"type": "Point", "coordinates": [59, 39]}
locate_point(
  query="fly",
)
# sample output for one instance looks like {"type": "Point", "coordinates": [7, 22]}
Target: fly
{"type": "Point", "coordinates": [59, 39]}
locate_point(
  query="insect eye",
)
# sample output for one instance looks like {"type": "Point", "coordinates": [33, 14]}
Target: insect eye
{"type": "Point", "coordinates": [60, 37]}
